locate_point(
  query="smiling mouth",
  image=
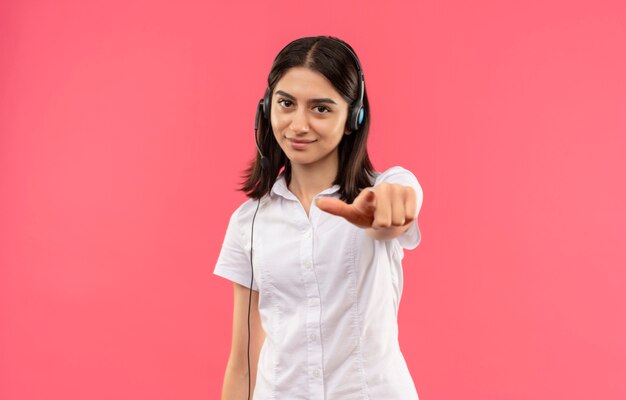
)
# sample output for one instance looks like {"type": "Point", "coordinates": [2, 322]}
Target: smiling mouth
{"type": "Point", "coordinates": [301, 141]}
{"type": "Point", "coordinates": [300, 145]}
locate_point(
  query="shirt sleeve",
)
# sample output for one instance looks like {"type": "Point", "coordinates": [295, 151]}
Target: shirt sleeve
{"type": "Point", "coordinates": [233, 262]}
{"type": "Point", "coordinates": [412, 237]}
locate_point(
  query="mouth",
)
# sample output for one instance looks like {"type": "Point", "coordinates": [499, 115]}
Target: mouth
{"type": "Point", "coordinates": [300, 144]}
{"type": "Point", "coordinates": [300, 141]}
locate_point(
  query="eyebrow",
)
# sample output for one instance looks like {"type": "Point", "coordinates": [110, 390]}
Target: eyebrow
{"type": "Point", "coordinates": [290, 97]}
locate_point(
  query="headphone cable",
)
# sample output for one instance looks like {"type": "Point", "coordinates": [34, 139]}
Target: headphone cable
{"type": "Point", "coordinates": [250, 296]}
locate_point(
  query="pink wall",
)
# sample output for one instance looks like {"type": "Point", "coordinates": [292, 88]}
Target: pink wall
{"type": "Point", "coordinates": [124, 128]}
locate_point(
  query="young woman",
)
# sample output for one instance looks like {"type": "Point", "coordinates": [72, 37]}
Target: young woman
{"type": "Point", "coordinates": [315, 253]}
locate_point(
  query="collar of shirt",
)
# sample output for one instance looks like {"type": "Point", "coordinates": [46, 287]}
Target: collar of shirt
{"type": "Point", "coordinates": [280, 188]}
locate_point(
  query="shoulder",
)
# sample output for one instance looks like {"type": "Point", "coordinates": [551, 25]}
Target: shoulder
{"type": "Point", "coordinates": [244, 213]}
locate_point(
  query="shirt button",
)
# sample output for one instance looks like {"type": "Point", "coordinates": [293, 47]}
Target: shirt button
{"type": "Point", "coordinates": [307, 264]}
{"type": "Point", "coordinates": [312, 337]}
{"type": "Point", "coordinates": [316, 373]}
{"type": "Point", "coordinates": [307, 234]}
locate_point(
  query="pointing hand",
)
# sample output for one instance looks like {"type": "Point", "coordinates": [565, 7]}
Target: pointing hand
{"type": "Point", "coordinates": [387, 205]}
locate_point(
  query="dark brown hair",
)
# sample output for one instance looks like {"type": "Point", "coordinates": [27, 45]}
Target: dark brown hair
{"type": "Point", "coordinates": [328, 56]}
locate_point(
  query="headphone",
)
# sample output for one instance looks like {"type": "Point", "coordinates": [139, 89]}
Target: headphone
{"type": "Point", "coordinates": [354, 121]}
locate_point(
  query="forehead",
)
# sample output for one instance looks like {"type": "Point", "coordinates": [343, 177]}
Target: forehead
{"type": "Point", "coordinates": [304, 83]}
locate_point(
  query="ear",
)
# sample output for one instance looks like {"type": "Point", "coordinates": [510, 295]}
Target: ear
{"type": "Point", "coordinates": [347, 131]}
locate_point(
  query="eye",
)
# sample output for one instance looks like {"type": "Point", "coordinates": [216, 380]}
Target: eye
{"type": "Point", "coordinates": [322, 109]}
{"type": "Point", "coordinates": [285, 103]}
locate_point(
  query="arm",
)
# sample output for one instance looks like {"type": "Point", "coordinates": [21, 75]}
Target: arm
{"type": "Point", "coordinates": [236, 377]}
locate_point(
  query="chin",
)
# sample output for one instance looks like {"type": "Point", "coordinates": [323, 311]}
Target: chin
{"type": "Point", "coordinates": [300, 160]}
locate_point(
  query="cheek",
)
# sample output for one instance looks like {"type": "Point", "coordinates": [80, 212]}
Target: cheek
{"type": "Point", "coordinates": [330, 127]}
{"type": "Point", "coordinates": [278, 122]}
{"type": "Point", "coordinates": [327, 125]}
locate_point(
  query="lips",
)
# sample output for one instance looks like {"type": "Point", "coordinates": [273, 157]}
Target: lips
{"type": "Point", "coordinates": [299, 144]}
{"type": "Point", "coordinates": [301, 141]}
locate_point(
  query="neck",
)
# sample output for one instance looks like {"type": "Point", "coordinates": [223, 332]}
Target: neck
{"type": "Point", "coordinates": [309, 180]}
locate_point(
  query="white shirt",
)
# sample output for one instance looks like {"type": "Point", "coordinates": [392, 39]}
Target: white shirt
{"type": "Point", "coordinates": [328, 297]}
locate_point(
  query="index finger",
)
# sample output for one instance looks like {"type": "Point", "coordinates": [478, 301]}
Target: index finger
{"type": "Point", "coordinates": [334, 206]}
{"type": "Point", "coordinates": [349, 212]}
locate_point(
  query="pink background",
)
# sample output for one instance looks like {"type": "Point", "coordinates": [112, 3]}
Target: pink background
{"type": "Point", "coordinates": [125, 127]}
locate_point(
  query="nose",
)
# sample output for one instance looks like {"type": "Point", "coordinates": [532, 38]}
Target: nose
{"type": "Point", "coordinates": [299, 123]}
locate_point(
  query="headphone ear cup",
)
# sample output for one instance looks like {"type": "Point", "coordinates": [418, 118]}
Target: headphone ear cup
{"type": "Point", "coordinates": [361, 116]}
{"type": "Point", "coordinates": [259, 115]}
{"type": "Point", "coordinates": [357, 115]}
{"type": "Point", "coordinates": [266, 104]}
